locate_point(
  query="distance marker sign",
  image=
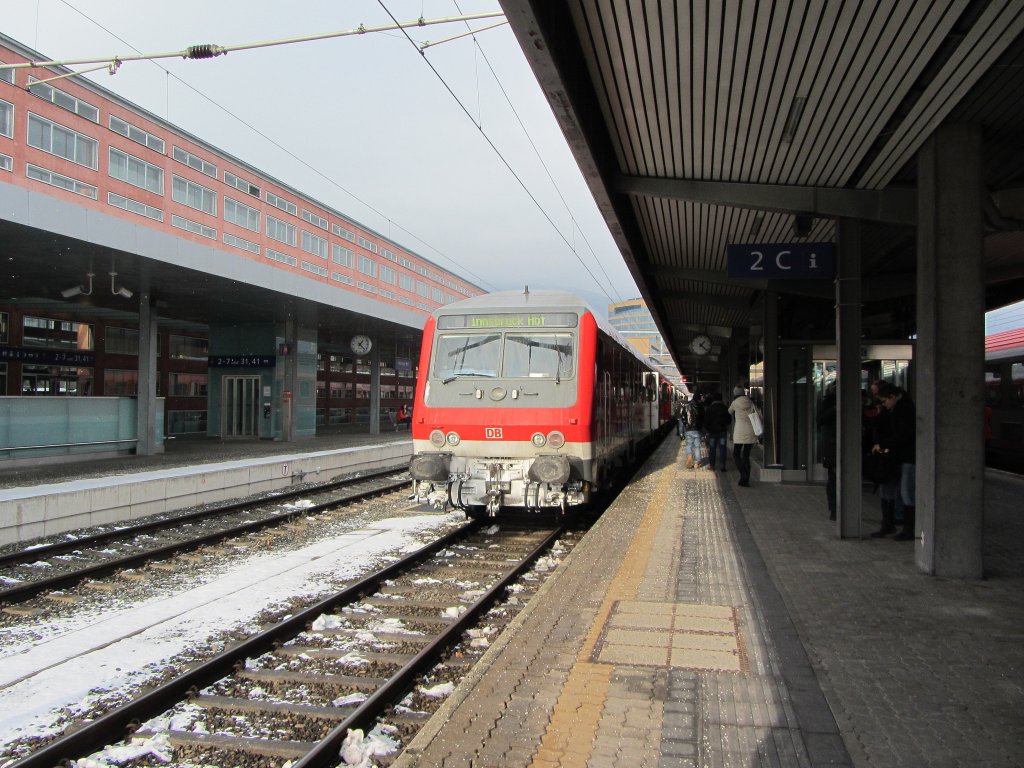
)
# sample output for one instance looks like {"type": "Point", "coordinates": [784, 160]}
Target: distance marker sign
{"type": "Point", "coordinates": [789, 261]}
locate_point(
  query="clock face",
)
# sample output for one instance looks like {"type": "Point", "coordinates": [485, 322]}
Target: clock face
{"type": "Point", "coordinates": [361, 344]}
{"type": "Point", "coordinates": [701, 345]}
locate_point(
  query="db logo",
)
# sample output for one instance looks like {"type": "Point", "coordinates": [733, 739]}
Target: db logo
{"type": "Point", "coordinates": [492, 433]}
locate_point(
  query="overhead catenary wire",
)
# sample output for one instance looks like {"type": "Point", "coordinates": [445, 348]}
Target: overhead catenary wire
{"type": "Point", "coordinates": [464, 270]}
{"type": "Point", "coordinates": [501, 157]}
{"type": "Point", "coordinates": [540, 158]}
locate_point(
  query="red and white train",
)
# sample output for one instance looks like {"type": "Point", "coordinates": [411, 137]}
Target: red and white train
{"type": "Point", "coordinates": [528, 400]}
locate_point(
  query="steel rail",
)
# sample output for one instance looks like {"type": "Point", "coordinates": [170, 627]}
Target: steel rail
{"type": "Point", "coordinates": [327, 750]}
{"type": "Point", "coordinates": [114, 725]}
{"type": "Point", "coordinates": [60, 547]}
{"type": "Point", "coordinates": [31, 589]}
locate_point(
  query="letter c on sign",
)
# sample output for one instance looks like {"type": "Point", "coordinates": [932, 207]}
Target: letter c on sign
{"type": "Point", "coordinates": [778, 260]}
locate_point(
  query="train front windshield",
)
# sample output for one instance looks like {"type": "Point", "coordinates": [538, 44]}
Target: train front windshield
{"type": "Point", "coordinates": [512, 355]}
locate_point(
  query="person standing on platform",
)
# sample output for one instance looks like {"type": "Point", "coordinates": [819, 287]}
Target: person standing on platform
{"type": "Point", "coordinates": [827, 430]}
{"type": "Point", "coordinates": [901, 440]}
{"type": "Point", "coordinates": [716, 422]}
{"type": "Point", "coordinates": [694, 418]}
{"type": "Point", "coordinates": [743, 437]}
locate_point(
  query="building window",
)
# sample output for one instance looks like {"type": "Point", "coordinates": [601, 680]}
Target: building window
{"type": "Point", "coordinates": [188, 348]}
{"type": "Point", "coordinates": [65, 335]}
{"type": "Point", "coordinates": [239, 242]}
{"type": "Point", "coordinates": [63, 99]}
{"type": "Point", "coordinates": [281, 231]}
{"type": "Point", "coordinates": [193, 195]}
{"type": "Point", "coordinates": [56, 380]}
{"type": "Point", "coordinates": [367, 266]}
{"type": "Point", "coordinates": [120, 383]}
{"type": "Point", "coordinates": [436, 294]}
{"type": "Point", "coordinates": [6, 163]}
{"type": "Point", "coordinates": [57, 140]}
{"type": "Point", "coordinates": [59, 180]}
{"type": "Point", "coordinates": [6, 76]}
{"type": "Point", "coordinates": [193, 226]}
{"type": "Point", "coordinates": [342, 255]}
{"type": "Point", "coordinates": [405, 282]}
{"type": "Point", "coordinates": [136, 134]}
{"type": "Point", "coordinates": [241, 184]}
{"type": "Point", "coordinates": [186, 422]}
{"type": "Point", "coordinates": [284, 258]}
{"type": "Point", "coordinates": [194, 161]}
{"type": "Point", "coordinates": [342, 232]}
{"type": "Point", "coordinates": [366, 287]}
{"type": "Point", "coordinates": [241, 214]}
{"type": "Point", "coordinates": [134, 206]}
{"type": "Point", "coordinates": [314, 268]}
{"type": "Point", "coordinates": [312, 218]}
{"type": "Point", "coordinates": [188, 385]}
{"type": "Point", "coordinates": [136, 171]}
{"type": "Point", "coordinates": [421, 288]}
{"type": "Point", "coordinates": [389, 255]}
{"type": "Point", "coordinates": [4, 332]}
{"type": "Point", "coordinates": [283, 204]}
{"type": "Point", "coordinates": [342, 278]}
{"type": "Point", "coordinates": [6, 119]}
{"type": "Point", "coordinates": [315, 245]}
{"type": "Point", "coordinates": [121, 341]}
{"type": "Point", "coordinates": [388, 274]}
{"type": "Point", "coordinates": [371, 247]}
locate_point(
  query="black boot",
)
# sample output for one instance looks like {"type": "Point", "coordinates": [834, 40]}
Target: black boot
{"type": "Point", "coordinates": [888, 512]}
{"type": "Point", "coordinates": [908, 533]}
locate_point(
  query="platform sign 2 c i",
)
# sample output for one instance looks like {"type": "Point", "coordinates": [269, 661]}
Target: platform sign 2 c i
{"type": "Point", "coordinates": [786, 261]}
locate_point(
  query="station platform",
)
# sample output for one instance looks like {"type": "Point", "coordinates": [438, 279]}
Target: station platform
{"type": "Point", "coordinates": [48, 499]}
{"type": "Point", "coordinates": [703, 624]}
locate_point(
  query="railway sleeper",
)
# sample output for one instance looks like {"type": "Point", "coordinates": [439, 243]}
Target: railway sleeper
{"type": "Point", "coordinates": [215, 742]}
{"type": "Point", "coordinates": [293, 651]}
{"type": "Point", "coordinates": [284, 677]}
{"type": "Point", "coordinates": [402, 603]}
{"type": "Point", "coordinates": [311, 711]}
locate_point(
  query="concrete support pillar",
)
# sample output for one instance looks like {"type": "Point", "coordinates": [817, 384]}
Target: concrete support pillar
{"type": "Point", "coordinates": [950, 354]}
{"type": "Point", "coordinates": [146, 444]}
{"type": "Point", "coordinates": [849, 494]}
{"type": "Point", "coordinates": [290, 411]}
{"type": "Point", "coordinates": [375, 389]}
{"type": "Point", "coordinates": [771, 377]}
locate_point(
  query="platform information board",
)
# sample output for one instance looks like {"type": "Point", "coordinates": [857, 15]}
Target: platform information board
{"type": "Point", "coordinates": [789, 261]}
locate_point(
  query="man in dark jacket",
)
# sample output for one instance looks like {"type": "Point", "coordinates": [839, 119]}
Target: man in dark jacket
{"type": "Point", "coordinates": [716, 422]}
{"type": "Point", "coordinates": [900, 439]}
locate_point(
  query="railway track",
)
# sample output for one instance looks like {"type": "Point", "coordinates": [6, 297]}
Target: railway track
{"type": "Point", "coordinates": [28, 573]}
{"type": "Point", "coordinates": [296, 690]}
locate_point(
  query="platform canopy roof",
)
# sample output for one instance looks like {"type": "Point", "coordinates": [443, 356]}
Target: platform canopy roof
{"type": "Point", "coordinates": [700, 124]}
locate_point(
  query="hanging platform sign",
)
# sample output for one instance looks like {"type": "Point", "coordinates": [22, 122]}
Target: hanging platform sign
{"type": "Point", "coordinates": [785, 261]}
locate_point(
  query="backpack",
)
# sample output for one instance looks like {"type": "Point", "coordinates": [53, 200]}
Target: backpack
{"type": "Point", "coordinates": [717, 417]}
{"type": "Point", "coordinates": [694, 416]}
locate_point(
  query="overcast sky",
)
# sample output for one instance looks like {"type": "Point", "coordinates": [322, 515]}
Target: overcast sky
{"type": "Point", "coordinates": [364, 125]}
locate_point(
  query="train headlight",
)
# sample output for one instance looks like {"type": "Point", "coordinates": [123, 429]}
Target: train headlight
{"type": "Point", "coordinates": [453, 438]}
{"type": "Point", "coordinates": [498, 393]}
{"type": "Point", "coordinates": [437, 438]}
{"type": "Point", "coordinates": [556, 439]}
{"type": "Point", "coordinates": [538, 439]}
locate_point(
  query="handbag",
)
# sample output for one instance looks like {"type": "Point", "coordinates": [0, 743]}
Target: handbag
{"type": "Point", "coordinates": [881, 467]}
{"type": "Point", "coordinates": [756, 423]}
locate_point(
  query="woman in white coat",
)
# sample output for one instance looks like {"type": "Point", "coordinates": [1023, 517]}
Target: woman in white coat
{"type": "Point", "coordinates": [743, 437]}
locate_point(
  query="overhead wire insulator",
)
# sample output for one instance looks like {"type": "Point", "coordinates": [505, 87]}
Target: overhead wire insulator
{"type": "Point", "coordinates": [205, 51]}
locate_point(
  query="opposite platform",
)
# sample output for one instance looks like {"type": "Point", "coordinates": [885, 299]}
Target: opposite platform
{"type": "Point", "coordinates": [694, 626]}
{"type": "Point", "coordinates": [49, 499]}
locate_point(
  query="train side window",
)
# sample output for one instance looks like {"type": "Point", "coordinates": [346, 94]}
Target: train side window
{"type": "Point", "coordinates": [538, 356]}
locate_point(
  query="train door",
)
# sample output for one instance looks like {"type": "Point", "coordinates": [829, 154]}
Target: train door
{"type": "Point", "coordinates": [240, 407]}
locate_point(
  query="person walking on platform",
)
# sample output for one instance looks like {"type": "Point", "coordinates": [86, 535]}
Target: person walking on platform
{"type": "Point", "coordinates": [899, 439]}
{"type": "Point", "coordinates": [716, 422]}
{"type": "Point", "coordinates": [826, 423]}
{"type": "Point", "coordinates": [693, 417]}
{"type": "Point", "coordinates": [743, 437]}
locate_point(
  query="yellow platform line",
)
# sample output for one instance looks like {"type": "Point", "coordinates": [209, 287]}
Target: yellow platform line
{"type": "Point", "coordinates": [569, 737]}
